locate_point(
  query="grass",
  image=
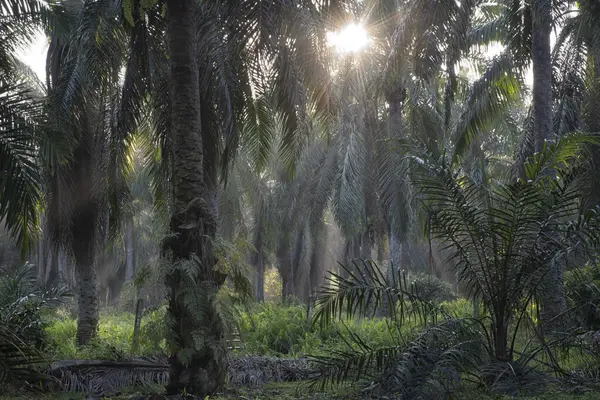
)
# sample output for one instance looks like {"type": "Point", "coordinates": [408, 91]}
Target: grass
{"type": "Point", "coordinates": [115, 337]}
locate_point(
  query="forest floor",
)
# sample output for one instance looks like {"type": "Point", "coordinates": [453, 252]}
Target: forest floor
{"type": "Point", "coordinates": [288, 391]}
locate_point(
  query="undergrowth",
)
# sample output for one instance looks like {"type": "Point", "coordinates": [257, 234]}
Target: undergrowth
{"type": "Point", "coordinates": [265, 329]}
{"type": "Point", "coordinates": [114, 340]}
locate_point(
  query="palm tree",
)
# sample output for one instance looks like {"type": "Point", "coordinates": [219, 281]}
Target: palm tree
{"type": "Point", "coordinates": [83, 87]}
{"type": "Point", "coordinates": [203, 140]}
{"type": "Point", "coordinates": [541, 15]}
{"type": "Point", "coordinates": [495, 234]}
{"type": "Point", "coordinates": [554, 303]}
{"type": "Point", "coordinates": [576, 68]}
{"type": "Point", "coordinates": [20, 112]}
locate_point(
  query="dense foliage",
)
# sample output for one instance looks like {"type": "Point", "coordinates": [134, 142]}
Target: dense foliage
{"type": "Point", "coordinates": [399, 193]}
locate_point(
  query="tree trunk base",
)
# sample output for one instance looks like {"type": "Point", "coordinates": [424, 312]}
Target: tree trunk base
{"type": "Point", "coordinates": [203, 376]}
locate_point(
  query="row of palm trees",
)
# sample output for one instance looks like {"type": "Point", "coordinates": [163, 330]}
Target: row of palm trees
{"type": "Point", "coordinates": [247, 93]}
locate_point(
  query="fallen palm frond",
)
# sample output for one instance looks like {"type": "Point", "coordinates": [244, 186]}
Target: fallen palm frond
{"type": "Point", "coordinates": [108, 376]}
{"type": "Point", "coordinates": [101, 376]}
{"type": "Point", "coordinates": [258, 370]}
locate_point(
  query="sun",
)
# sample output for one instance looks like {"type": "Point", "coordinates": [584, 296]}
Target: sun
{"type": "Point", "coordinates": [350, 39]}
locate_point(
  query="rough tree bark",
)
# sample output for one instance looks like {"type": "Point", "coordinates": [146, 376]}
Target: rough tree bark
{"type": "Point", "coordinates": [83, 244]}
{"type": "Point", "coordinates": [192, 224]}
{"type": "Point", "coordinates": [554, 301]}
{"type": "Point", "coordinates": [52, 275]}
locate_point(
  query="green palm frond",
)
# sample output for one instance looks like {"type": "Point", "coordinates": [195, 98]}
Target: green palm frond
{"type": "Point", "coordinates": [433, 365]}
{"type": "Point", "coordinates": [488, 98]}
{"type": "Point", "coordinates": [430, 365]}
{"type": "Point", "coordinates": [22, 335]}
{"type": "Point", "coordinates": [352, 365]}
{"type": "Point", "coordinates": [19, 361]}
{"type": "Point", "coordinates": [349, 200]}
{"type": "Point", "coordinates": [496, 233]}
{"type": "Point", "coordinates": [362, 287]}
{"type": "Point", "coordinates": [20, 179]}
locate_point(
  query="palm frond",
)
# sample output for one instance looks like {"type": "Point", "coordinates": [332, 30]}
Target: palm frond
{"type": "Point", "coordinates": [489, 96]}
{"type": "Point", "coordinates": [362, 287]}
{"type": "Point", "coordinates": [20, 179]}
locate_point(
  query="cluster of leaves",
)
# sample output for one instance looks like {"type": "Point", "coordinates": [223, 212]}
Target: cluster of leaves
{"type": "Point", "coordinates": [283, 330]}
{"type": "Point", "coordinates": [582, 288]}
{"type": "Point", "coordinates": [497, 238]}
{"type": "Point", "coordinates": [431, 288]}
{"type": "Point", "coordinates": [23, 311]}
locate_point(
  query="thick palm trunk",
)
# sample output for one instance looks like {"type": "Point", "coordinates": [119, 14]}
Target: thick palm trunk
{"type": "Point", "coordinates": [395, 244]}
{"type": "Point", "coordinates": [84, 254]}
{"type": "Point", "coordinates": [196, 365]}
{"type": "Point", "coordinates": [351, 253]}
{"type": "Point", "coordinates": [259, 264]}
{"type": "Point", "coordinates": [287, 284]}
{"type": "Point", "coordinates": [41, 260]}
{"type": "Point", "coordinates": [554, 301]}
{"type": "Point", "coordinates": [542, 72]}
{"type": "Point", "coordinates": [366, 245]}
{"type": "Point", "coordinates": [52, 274]}
{"type": "Point", "coordinates": [300, 287]}
{"type": "Point", "coordinates": [63, 270]}
{"type": "Point", "coordinates": [396, 237]}
{"type": "Point", "coordinates": [500, 336]}
{"type": "Point", "coordinates": [129, 249]}
{"type": "Point", "coordinates": [286, 269]}
{"type": "Point", "coordinates": [317, 264]}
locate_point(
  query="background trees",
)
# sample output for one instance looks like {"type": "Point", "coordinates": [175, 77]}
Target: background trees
{"type": "Point", "coordinates": [239, 121]}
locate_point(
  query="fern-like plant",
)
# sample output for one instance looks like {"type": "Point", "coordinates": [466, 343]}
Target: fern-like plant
{"type": "Point", "coordinates": [22, 336]}
{"type": "Point", "coordinates": [502, 239]}
{"type": "Point", "coordinates": [505, 237]}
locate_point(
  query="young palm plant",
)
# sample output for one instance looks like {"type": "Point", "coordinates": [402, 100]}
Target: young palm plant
{"type": "Point", "coordinates": [498, 235]}
{"type": "Point", "coordinates": [22, 336]}
{"type": "Point", "coordinates": [428, 364]}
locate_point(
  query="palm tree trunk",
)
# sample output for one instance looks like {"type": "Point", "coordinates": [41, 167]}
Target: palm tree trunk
{"type": "Point", "coordinates": [351, 253]}
{"type": "Point", "coordinates": [542, 72]}
{"type": "Point", "coordinates": [52, 274]}
{"type": "Point", "coordinates": [554, 301]}
{"type": "Point", "coordinates": [41, 259]}
{"type": "Point", "coordinates": [396, 238]}
{"type": "Point", "coordinates": [195, 366]}
{"type": "Point", "coordinates": [286, 269]}
{"type": "Point", "coordinates": [129, 249]}
{"type": "Point", "coordinates": [317, 267]}
{"type": "Point", "coordinates": [287, 284]}
{"type": "Point", "coordinates": [62, 266]}
{"type": "Point", "coordinates": [259, 264]}
{"type": "Point", "coordinates": [84, 253]}
{"type": "Point", "coordinates": [395, 245]}
{"type": "Point", "coordinates": [300, 286]}
{"type": "Point", "coordinates": [500, 336]}
{"type": "Point", "coordinates": [366, 246]}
